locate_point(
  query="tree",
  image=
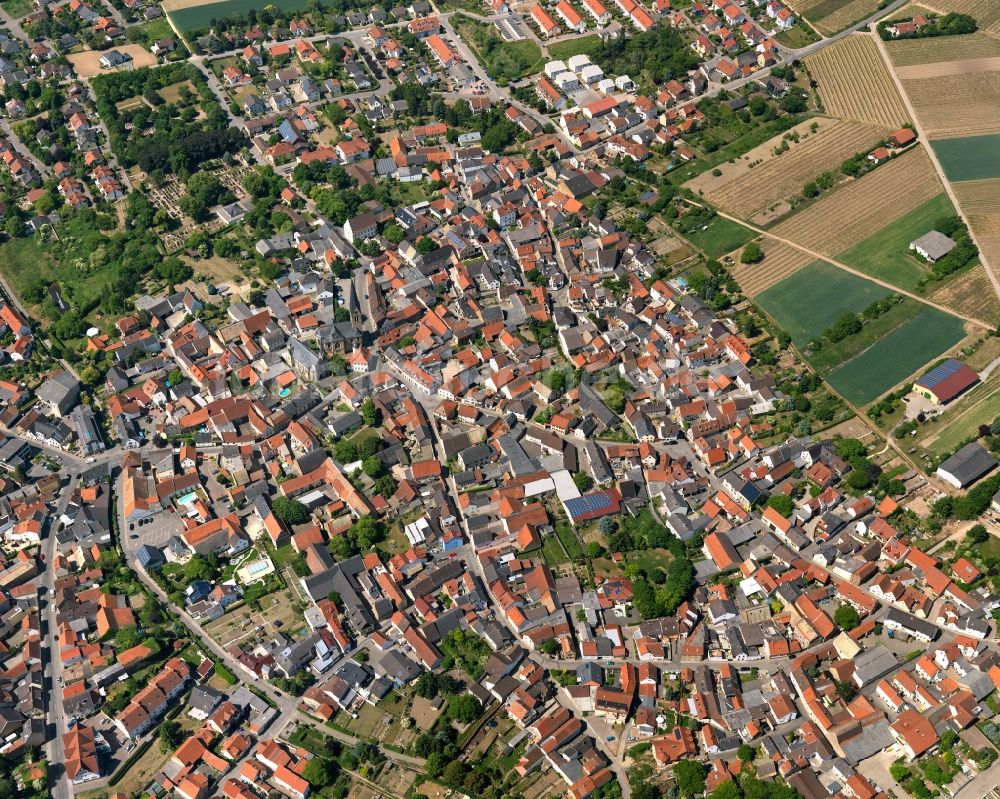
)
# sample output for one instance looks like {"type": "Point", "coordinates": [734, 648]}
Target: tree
{"type": "Point", "coordinates": [752, 254]}
{"type": "Point", "coordinates": [369, 412]}
{"type": "Point", "coordinates": [320, 772]}
{"type": "Point", "coordinates": [846, 691]}
{"type": "Point", "coordinates": [555, 379]}
{"type": "Point", "coordinates": [345, 451]}
{"type": "Point", "coordinates": [454, 772]}
{"type": "Point", "coordinates": [594, 550]}
{"type": "Point", "coordinates": [170, 735]}
{"type": "Point", "coordinates": [549, 647]}
{"type": "Point", "coordinates": [127, 637]}
{"type": "Point", "coordinates": [690, 776]}
{"type": "Point", "coordinates": [746, 753]}
{"type": "Point", "coordinates": [782, 503]}
{"type": "Point", "coordinates": [582, 481]}
{"type": "Point", "coordinates": [977, 534]}
{"type": "Point", "coordinates": [289, 511]}
{"type": "Point", "coordinates": [198, 568]}
{"type": "Point", "coordinates": [175, 377]}
{"type": "Point", "coordinates": [372, 467]}
{"type": "Point", "coordinates": [846, 617]}
{"type": "Point", "coordinates": [464, 708]}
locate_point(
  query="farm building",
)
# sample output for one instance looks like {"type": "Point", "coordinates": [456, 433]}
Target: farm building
{"type": "Point", "coordinates": [966, 466]}
{"type": "Point", "coordinates": [946, 381]}
{"type": "Point", "coordinates": [933, 245]}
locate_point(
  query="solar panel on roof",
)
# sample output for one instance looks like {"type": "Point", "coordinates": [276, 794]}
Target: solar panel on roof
{"type": "Point", "coordinates": [940, 373]}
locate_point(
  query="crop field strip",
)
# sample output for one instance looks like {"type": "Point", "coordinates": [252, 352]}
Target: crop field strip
{"type": "Point", "coordinates": [780, 261]}
{"type": "Point", "coordinates": [958, 66]}
{"type": "Point", "coordinates": [896, 356]}
{"type": "Point", "coordinates": [910, 52]}
{"type": "Point", "coordinates": [969, 157]}
{"type": "Point", "coordinates": [978, 197]}
{"type": "Point", "coordinates": [784, 175]}
{"type": "Point", "coordinates": [831, 16]}
{"type": "Point", "coordinates": [809, 301]}
{"type": "Point", "coordinates": [970, 293]}
{"type": "Point", "coordinates": [859, 209]}
{"type": "Point", "coordinates": [853, 82]}
{"type": "Point", "coordinates": [957, 105]}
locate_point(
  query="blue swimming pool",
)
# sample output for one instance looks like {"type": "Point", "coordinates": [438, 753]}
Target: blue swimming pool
{"type": "Point", "coordinates": [284, 392]}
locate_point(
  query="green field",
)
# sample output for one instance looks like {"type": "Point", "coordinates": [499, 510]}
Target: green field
{"type": "Point", "coordinates": [503, 61]}
{"type": "Point", "coordinates": [969, 157]}
{"type": "Point", "coordinates": [720, 236]}
{"type": "Point", "coordinates": [896, 356]}
{"type": "Point", "coordinates": [831, 356]}
{"type": "Point", "coordinates": [886, 254]}
{"type": "Point", "coordinates": [560, 51]}
{"type": "Point", "coordinates": [809, 301]}
{"type": "Point", "coordinates": [198, 17]}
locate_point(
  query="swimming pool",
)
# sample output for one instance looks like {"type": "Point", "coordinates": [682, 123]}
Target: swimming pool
{"type": "Point", "coordinates": [188, 499]}
{"type": "Point", "coordinates": [284, 392]}
{"type": "Point", "coordinates": [258, 566]}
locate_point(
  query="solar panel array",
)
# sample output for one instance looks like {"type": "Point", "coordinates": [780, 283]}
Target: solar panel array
{"type": "Point", "coordinates": [588, 503]}
{"type": "Point", "coordinates": [940, 373]}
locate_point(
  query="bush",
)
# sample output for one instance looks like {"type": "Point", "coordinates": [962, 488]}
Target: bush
{"type": "Point", "coordinates": [752, 254]}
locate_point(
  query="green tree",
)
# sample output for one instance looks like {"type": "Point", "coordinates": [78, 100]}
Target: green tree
{"type": "Point", "coordinates": [171, 735]}
{"type": "Point", "coordinates": [198, 568]}
{"type": "Point", "coordinates": [846, 617]}
{"type": "Point", "coordinates": [372, 466]}
{"type": "Point", "coordinates": [127, 637]}
{"type": "Point", "coordinates": [320, 772]}
{"type": "Point", "coordinates": [746, 753]}
{"type": "Point", "coordinates": [345, 451]}
{"type": "Point", "coordinates": [464, 708]}
{"type": "Point", "coordinates": [549, 647]}
{"type": "Point", "coordinates": [690, 776]}
{"type": "Point", "coordinates": [290, 511]}
{"type": "Point", "coordinates": [369, 412]}
{"type": "Point", "coordinates": [752, 254]}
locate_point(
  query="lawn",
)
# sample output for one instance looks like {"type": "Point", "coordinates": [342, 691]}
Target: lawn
{"type": "Point", "coordinates": [151, 32]}
{"type": "Point", "coordinates": [503, 61]}
{"type": "Point", "coordinates": [896, 356]}
{"type": "Point", "coordinates": [807, 302]}
{"type": "Point", "coordinates": [564, 530]}
{"type": "Point", "coordinates": [18, 8]}
{"type": "Point", "coordinates": [969, 157]}
{"type": "Point", "coordinates": [720, 236]}
{"type": "Point", "coordinates": [560, 51]}
{"type": "Point", "coordinates": [797, 36]}
{"type": "Point", "coordinates": [886, 254]}
{"type": "Point", "coordinates": [552, 551]}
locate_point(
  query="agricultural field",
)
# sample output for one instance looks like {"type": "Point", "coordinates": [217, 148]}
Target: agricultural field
{"type": "Point", "coordinates": [957, 105]}
{"type": "Point", "coordinates": [780, 261]}
{"type": "Point", "coordinates": [853, 83]}
{"type": "Point", "coordinates": [978, 197]}
{"type": "Point", "coordinates": [720, 236]}
{"type": "Point", "coordinates": [970, 157]}
{"type": "Point", "coordinates": [932, 50]}
{"type": "Point", "coordinates": [831, 16]}
{"type": "Point", "coordinates": [896, 356]}
{"type": "Point", "coordinates": [886, 255]}
{"type": "Point", "coordinates": [190, 15]}
{"type": "Point", "coordinates": [970, 293]}
{"type": "Point", "coordinates": [809, 301]}
{"type": "Point", "coordinates": [831, 355]}
{"type": "Point", "coordinates": [859, 209]}
{"type": "Point", "coordinates": [746, 192]}
{"type": "Point", "coordinates": [965, 65]}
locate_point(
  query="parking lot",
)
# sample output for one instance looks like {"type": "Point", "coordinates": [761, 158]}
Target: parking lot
{"type": "Point", "coordinates": [154, 530]}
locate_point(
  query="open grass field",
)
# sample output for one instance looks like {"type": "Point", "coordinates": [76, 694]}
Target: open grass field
{"type": "Point", "coordinates": [970, 293]}
{"type": "Point", "coordinates": [18, 8]}
{"type": "Point", "coordinates": [886, 254]}
{"type": "Point", "coordinates": [560, 51]}
{"type": "Point", "coordinates": [896, 356]}
{"type": "Point", "coordinates": [957, 105]}
{"type": "Point", "coordinates": [853, 83]}
{"type": "Point", "coordinates": [809, 301]}
{"type": "Point", "coordinates": [780, 261]}
{"type": "Point", "coordinates": [969, 157]}
{"type": "Point", "coordinates": [503, 61]}
{"type": "Point", "coordinates": [754, 190]}
{"type": "Point", "coordinates": [189, 15]}
{"type": "Point", "coordinates": [861, 208]}
{"type": "Point", "coordinates": [88, 63]}
{"type": "Point", "coordinates": [831, 356]}
{"type": "Point", "coordinates": [909, 52]}
{"type": "Point", "coordinates": [720, 236]}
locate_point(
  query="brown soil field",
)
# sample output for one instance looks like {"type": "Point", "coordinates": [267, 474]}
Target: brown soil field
{"type": "Point", "coordinates": [780, 261]}
{"type": "Point", "coordinates": [957, 105]}
{"type": "Point", "coordinates": [938, 69]}
{"type": "Point", "coordinates": [861, 208]}
{"type": "Point", "coordinates": [88, 63]}
{"type": "Point", "coordinates": [978, 197]}
{"type": "Point", "coordinates": [854, 83]}
{"type": "Point", "coordinates": [971, 293]}
{"type": "Point", "coordinates": [909, 52]}
{"type": "Point", "coordinates": [746, 192]}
